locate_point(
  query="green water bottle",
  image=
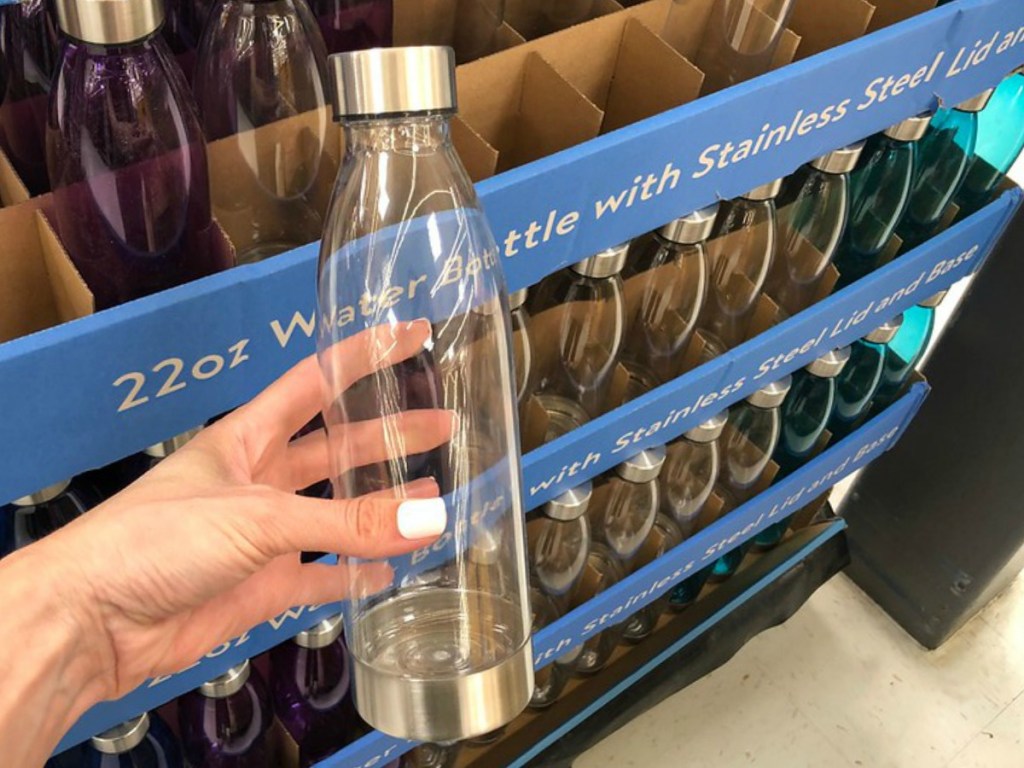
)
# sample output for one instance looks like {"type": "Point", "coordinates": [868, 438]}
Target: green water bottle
{"type": "Point", "coordinates": [859, 381]}
{"type": "Point", "coordinates": [945, 151]}
{"type": "Point", "coordinates": [1000, 142]}
{"type": "Point", "coordinates": [879, 191]}
{"type": "Point", "coordinates": [906, 349]}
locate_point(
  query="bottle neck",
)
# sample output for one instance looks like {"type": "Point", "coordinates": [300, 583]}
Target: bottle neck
{"type": "Point", "coordinates": [416, 134]}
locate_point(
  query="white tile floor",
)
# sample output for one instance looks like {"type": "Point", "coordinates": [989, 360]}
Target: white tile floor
{"type": "Point", "coordinates": [841, 685]}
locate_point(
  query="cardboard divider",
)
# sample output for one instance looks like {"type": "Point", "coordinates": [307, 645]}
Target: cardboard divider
{"type": "Point", "coordinates": [538, 18]}
{"type": "Point", "coordinates": [12, 189]}
{"type": "Point", "coordinates": [72, 295]}
{"type": "Point", "coordinates": [889, 12]}
{"type": "Point", "coordinates": [479, 157]}
{"type": "Point", "coordinates": [30, 298]}
{"type": "Point", "coordinates": [824, 24]}
{"type": "Point", "coordinates": [443, 22]}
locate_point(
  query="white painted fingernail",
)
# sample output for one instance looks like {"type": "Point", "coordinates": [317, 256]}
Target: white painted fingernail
{"type": "Point", "coordinates": [422, 518]}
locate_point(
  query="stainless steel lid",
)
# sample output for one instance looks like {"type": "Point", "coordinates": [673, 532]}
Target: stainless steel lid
{"type": "Point", "coordinates": [394, 81]}
{"type": "Point", "coordinates": [603, 264]}
{"type": "Point", "coordinates": [571, 505]}
{"type": "Point", "coordinates": [228, 684]}
{"type": "Point", "coordinates": [765, 191]}
{"type": "Point", "coordinates": [167, 447]}
{"type": "Point", "coordinates": [831, 364]}
{"type": "Point", "coordinates": [320, 635]}
{"type": "Point", "coordinates": [976, 103]}
{"type": "Point", "coordinates": [841, 160]}
{"type": "Point", "coordinates": [486, 547]}
{"type": "Point", "coordinates": [694, 228]}
{"type": "Point", "coordinates": [710, 430]}
{"type": "Point", "coordinates": [911, 129]}
{"type": "Point", "coordinates": [516, 299]}
{"type": "Point", "coordinates": [109, 22]}
{"type": "Point", "coordinates": [122, 738]}
{"type": "Point", "coordinates": [886, 332]}
{"type": "Point", "coordinates": [49, 493]}
{"type": "Point", "coordinates": [771, 395]}
{"type": "Point", "coordinates": [643, 467]}
{"type": "Point", "coordinates": [933, 301]}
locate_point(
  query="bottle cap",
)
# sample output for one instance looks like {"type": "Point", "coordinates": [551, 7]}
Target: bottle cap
{"type": "Point", "coordinates": [486, 548]}
{"type": "Point", "coordinates": [109, 22]}
{"type": "Point", "coordinates": [603, 264]}
{"type": "Point", "coordinates": [694, 228]}
{"type": "Point", "coordinates": [975, 103]}
{"type": "Point", "coordinates": [49, 493]}
{"type": "Point", "coordinates": [911, 129]}
{"type": "Point", "coordinates": [772, 395]}
{"type": "Point", "coordinates": [167, 447]}
{"type": "Point", "coordinates": [886, 332]}
{"type": "Point", "coordinates": [228, 684]}
{"type": "Point", "coordinates": [321, 635]}
{"type": "Point", "coordinates": [829, 365]}
{"type": "Point", "coordinates": [933, 301]}
{"type": "Point", "coordinates": [516, 299]}
{"type": "Point", "coordinates": [643, 467]}
{"type": "Point", "coordinates": [394, 81]}
{"type": "Point", "coordinates": [571, 505]}
{"type": "Point", "coordinates": [710, 430]}
{"type": "Point", "coordinates": [841, 160]}
{"type": "Point", "coordinates": [765, 191]}
{"type": "Point", "coordinates": [122, 738]}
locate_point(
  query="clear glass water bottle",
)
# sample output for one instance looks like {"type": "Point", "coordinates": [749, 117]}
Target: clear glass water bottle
{"type": "Point", "coordinates": [354, 25]}
{"type": "Point", "coordinates": [604, 570]}
{"type": "Point", "coordinates": [625, 502]}
{"type": "Point", "coordinates": [28, 57]}
{"type": "Point", "coordinates": [692, 465]}
{"type": "Point", "coordinates": [225, 723]}
{"type": "Point", "coordinates": [664, 536]}
{"type": "Point", "coordinates": [813, 208]}
{"type": "Point", "coordinates": [580, 312]}
{"type": "Point", "coordinates": [943, 155]}
{"type": "Point", "coordinates": [142, 742]}
{"type": "Point", "coordinates": [551, 679]}
{"type": "Point", "coordinates": [905, 350]}
{"type": "Point", "coordinates": [39, 514]}
{"type": "Point", "coordinates": [258, 64]}
{"type": "Point", "coordinates": [741, 251]}
{"type": "Point", "coordinates": [879, 192]}
{"type": "Point", "coordinates": [138, 221]}
{"type": "Point", "coordinates": [522, 343]}
{"type": "Point", "coordinates": [858, 383]}
{"type": "Point", "coordinates": [310, 691]}
{"type": "Point", "coordinates": [665, 277]}
{"type": "Point", "coordinates": [559, 540]}
{"type": "Point", "coordinates": [750, 437]}
{"type": "Point", "coordinates": [407, 255]}
{"type": "Point", "coordinates": [739, 41]}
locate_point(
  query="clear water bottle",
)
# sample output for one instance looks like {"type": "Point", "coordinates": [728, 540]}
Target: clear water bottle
{"type": "Point", "coordinates": [944, 153]}
{"type": "Point", "coordinates": [813, 208]}
{"type": "Point", "coordinates": [664, 536]}
{"type": "Point", "coordinates": [258, 64]}
{"type": "Point", "coordinates": [741, 251]}
{"type": "Point", "coordinates": [739, 40]}
{"type": "Point", "coordinates": [310, 690]}
{"type": "Point", "coordinates": [750, 437]}
{"type": "Point", "coordinates": [906, 349]}
{"type": "Point", "coordinates": [604, 570]}
{"type": "Point", "coordinates": [226, 722]}
{"type": "Point", "coordinates": [559, 540]}
{"type": "Point", "coordinates": [28, 56]}
{"type": "Point", "coordinates": [551, 680]}
{"type": "Point", "coordinates": [625, 502]}
{"type": "Point", "coordinates": [142, 742]}
{"type": "Point", "coordinates": [408, 258]}
{"type": "Point", "coordinates": [858, 383]}
{"type": "Point", "coordinates": [879, 192]}
{"type": "Point", "coordinates": [580, 313]}
{"type": "Point", "coordinates": [522, 343]}
{"type": "Point", "coordinates": [39, 514]}
{"type": "Point", "coordinates": [692, 465]}
{"type": "Point", "coordinates": [666, 278]}
{"type": "Point", "coordinates": [139, 221]}
{"type": "Point", "coordinates": [354, 25]}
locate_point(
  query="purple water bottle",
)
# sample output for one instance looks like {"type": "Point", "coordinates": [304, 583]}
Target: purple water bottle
{"type": "Point", "coordinates": [309, 686]}
{"type": "Point", "coordinates": [28, 54]}
{"type": "Point", "coordinates": [225, 723]}
{"type": "Point", "coordinates": [126, 155]}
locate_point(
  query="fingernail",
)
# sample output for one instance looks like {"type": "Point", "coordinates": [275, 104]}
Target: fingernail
{"type": "Point", "coordinates": [422, 518]}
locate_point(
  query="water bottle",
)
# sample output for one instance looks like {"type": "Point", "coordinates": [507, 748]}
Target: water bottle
{"type": "Point", "coordinates": [750, 437]}
{"type": "Point", "coordinates": [906, 349]}
{"type": "Point", "coordinates": [665, 535]}
{"type": "Point", "coordinates": [559, 541]}
{"type": "Point", "coordinates": [138, 221]}
{"type": "Point", "coordinates": [39, 514]}
{"type": "Point", "coordinates": [625, 503]}
{"type": "Point", "coordinates": [691, 470]}
{"type": "Point", "coordinates": [142, 742]}
{"type": "Point", "coordinates": [551, 680]}
{"type": "Point", "coordinates": [604, 570]}
{"type": "Point", "coordinates": [813, 208]}
{"type": "Point", "coordinates": [408, 261]}
{"type": "Point", "coordinates": [858, 382]}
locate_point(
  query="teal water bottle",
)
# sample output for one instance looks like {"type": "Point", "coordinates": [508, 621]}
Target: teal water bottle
{"type": "Point", "coordinates": [858, 383]}
{"type": "Point", "coordinates": [879, 191]}
{"type": "Point", "coordinates": [728, 563]}
{"type": "Point", "coordinates": [1000, 142]}
{"type": "Point", "coordinates": [906, 349]}
{"type": "Point", "coordinates": [945, 151]}
{"type": "Point", "coordinates": [750, 437]}
{"type": "Point", "coordinates": [813, 208]}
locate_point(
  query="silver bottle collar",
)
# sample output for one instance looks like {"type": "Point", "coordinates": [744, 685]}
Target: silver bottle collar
{"type": "Point", "coordinates": [765, 191]}
{"type": "Point", "coordinates": [841, 160]}
{"type": "Point", "coordinates": [933, 301]}
{"type": "Point", "coordinates": [321, 635]}
{"type": "Point", "coordinates": [831, 364]}
{"type": "Point", "coordinates": [571, 505]}
{"type": "Point", "coordinates": [691, 229]}
{"type": "Point", "coordinates": [109, 22]}
{"type": "Point", "coordinates": [393, 81]}
{"type": "Point", "coordinates": [604, 264]}
{"type": "Point", "coordinates": [911, 129]}
{"type": "Point", "coordinates": [228, 684]}
{"type": "Point", "coordinates": [122, 738]}
{"type": "Point", "coordinates": [643, 467]}
{"type": "Point", "coordinates": [886, 332]}
{"type": "Point", "coordinates": [772, 395]}
{"type": "Point", "coordinates": [710, 430]}
{"type": "Point", "coordinates": [49, 493]}
{"type": "Point", "coordinates": [975, 103]}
